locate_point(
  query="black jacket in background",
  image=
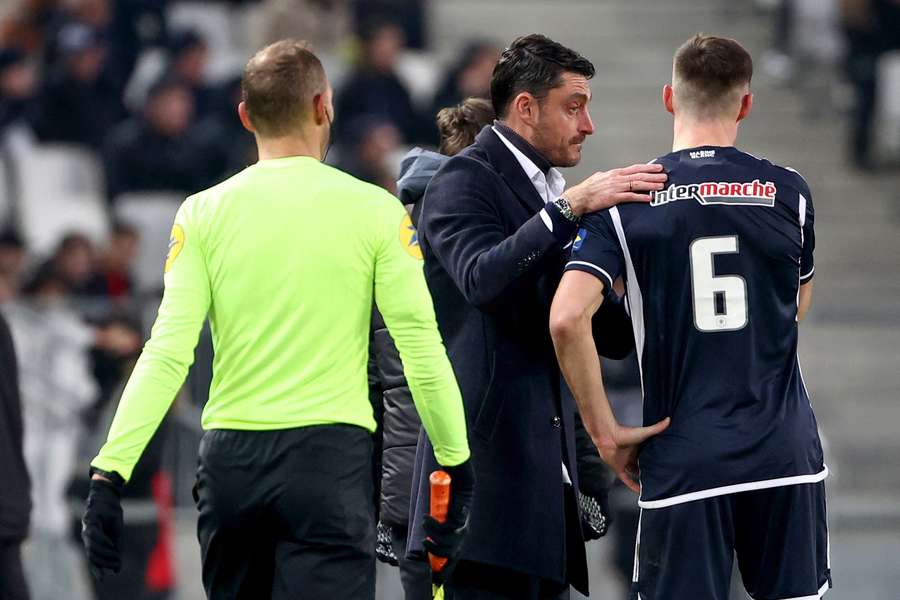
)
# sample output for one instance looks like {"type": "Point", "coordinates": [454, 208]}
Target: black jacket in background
{"type": "Point", "coordinates": [15, 489]}
{"type": "Point", "coordinates": [401, 423]}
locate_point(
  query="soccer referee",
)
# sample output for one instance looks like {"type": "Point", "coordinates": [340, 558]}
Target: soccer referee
{"type": "Point", "coordinates": [285, 258]}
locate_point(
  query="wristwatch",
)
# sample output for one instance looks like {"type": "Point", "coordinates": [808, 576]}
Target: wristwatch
{"type": "Point", "coordinates": [565, 209]}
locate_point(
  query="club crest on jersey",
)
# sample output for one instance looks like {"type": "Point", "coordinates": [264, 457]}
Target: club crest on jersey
{"type": "Point", "coordinates": [753, 193]}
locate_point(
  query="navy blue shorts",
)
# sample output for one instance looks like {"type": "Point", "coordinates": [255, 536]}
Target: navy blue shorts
{"type": "Point", "coordinates": [779, 535]}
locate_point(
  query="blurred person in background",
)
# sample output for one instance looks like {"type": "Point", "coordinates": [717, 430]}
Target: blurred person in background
{"type": "Point", "coordinates": [73, 261]}
{"type": "Point", "coordinates": [871, 28]}
{"type": "Point", "coordinates": [227, 146]}
{"type": "Point", "coordinates": [374, 88]}
{"type": "Point", "coordinates": [18, 85]}
{"type": "Point", "coordinates": [155, 150]}
{"type": "Point", "coordinates": [57, 386]}
{"type": "Point", "coordinates": [12, 262]}
{"type": "Point", "coordinates": [326, 24]}
{"type": "Point", "coordinates": [366, 153]}
{"type": "Point", "coordinates": [112, 277]}
{"type": "Point", "coordinates": [470, 77]}
{"type": "Point", "coordinates": [15, 492]}
{"type": "Point", "coordinates": [400, 423]}
{"type": "Point", "coordinates": [188, 56]}
{"type": "Point", "coordinates": [74, 104]}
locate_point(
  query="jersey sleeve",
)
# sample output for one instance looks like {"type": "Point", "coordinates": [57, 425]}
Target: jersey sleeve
{"type": "Point", "coordinates": [808, 237]}
{"type": "Point", "coordinates": [596, 249]}
{"type": "Point", "coordinates": [163, 365]}
{"type": "Point", "coordinates": [405, 303]}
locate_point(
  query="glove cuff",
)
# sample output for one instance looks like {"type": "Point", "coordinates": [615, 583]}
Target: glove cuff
{"type": "Point", "coordinates": [462, 476]}
{"type": "Point", "coordinates": [115, 480]}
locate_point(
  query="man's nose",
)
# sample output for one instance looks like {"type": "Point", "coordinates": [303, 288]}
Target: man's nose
{"type": "Point", "coordinates": [586, 126]}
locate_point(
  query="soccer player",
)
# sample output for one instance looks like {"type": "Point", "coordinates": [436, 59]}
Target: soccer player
{"type": "Point", "coordinates": [285, 258]}
{"type": "Point", "coordinates": [718, 270]}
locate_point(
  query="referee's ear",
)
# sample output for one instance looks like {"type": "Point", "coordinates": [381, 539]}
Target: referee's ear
{"type": "Point", "coordinates": [245, 118]}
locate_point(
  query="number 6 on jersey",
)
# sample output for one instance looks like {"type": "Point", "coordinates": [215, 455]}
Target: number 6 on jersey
{"type": "Point", "coordinates": [720, 302]}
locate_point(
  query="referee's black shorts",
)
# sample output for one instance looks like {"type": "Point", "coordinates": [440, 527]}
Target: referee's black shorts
{"type": "Point", "coordinates": [287, 513]}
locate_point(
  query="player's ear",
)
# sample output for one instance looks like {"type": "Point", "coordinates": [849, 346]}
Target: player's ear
{"type": "Point", "coordinates": [746, 106]}
{"type": "Point", "coordinates": [245, 118]}
{"type": "Point", "coordinates": [667, 97]}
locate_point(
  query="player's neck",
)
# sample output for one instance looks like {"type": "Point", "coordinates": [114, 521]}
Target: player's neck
{"type": "Point", "coordinates": [292, 145]}
{"type": "Point", "coordinates": [692, 133]}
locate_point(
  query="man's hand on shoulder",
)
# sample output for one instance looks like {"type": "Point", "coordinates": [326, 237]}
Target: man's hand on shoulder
{"type": "Point", "coordinates": [608, 188]}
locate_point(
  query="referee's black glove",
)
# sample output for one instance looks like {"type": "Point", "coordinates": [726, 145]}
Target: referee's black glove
{"type": "Point", "coordinates": [444, 539]}
{"type": "Point", "coordinates": [101, 526]}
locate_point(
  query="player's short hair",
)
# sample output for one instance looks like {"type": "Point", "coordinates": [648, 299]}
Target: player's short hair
{"type": "Point", "coordinates": [534, 64]}
{"type": "Point", "coordinates": [460, 124]}
{"type": "Point", "coordinates": [709, 73]}
{"type": "Point", "coordinates": [279, 85]}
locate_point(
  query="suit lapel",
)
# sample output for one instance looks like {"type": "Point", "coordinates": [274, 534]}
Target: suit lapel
{"type": "Point", "coordinates": [510, 169]}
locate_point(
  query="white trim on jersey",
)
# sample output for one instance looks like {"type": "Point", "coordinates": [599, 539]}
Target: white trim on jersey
{"type": "Point", "coordinates": [816, 596]}
{"type": "Point", "coordinates": [808, 275]}
{"type": "Point", "coordinates": [801, 216]}
{"type": "Point", "coordinates": [734, 489]}
{"type": "Point", "coordinates": [635, 572]}
{"type": "Point", "coordinates": [633, 290]}
{"type": "Point", "coordinates": [593, 266]}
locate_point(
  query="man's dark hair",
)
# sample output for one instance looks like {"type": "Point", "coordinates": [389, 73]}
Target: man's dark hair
{"type": "Point", "coordinates": [534, 64]}
{"type": "Point", "coordinates": [709, 73]}
{"type": "Point", "coordinates": [460, 124]}
{"type": "Point", "coordinates": [279, 84]}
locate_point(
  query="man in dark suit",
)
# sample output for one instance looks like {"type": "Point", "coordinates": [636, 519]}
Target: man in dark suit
{"type": "Point", "coordinates": [495, 227]}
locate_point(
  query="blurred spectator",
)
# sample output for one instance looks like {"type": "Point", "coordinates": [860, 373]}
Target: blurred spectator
{"type": "Point", "coordinates": [155, 151]}
{"type": "Point", "coordinates": [15, 493]}
{"type": "Point", "coordinates": [112, 276]}
{"type": "Point", "coordinates": [57, 387]}
{"type": "Point", "coordinates": [225, 143]}
{"type": "Point", "coordinates": [374, 87]}
{"type": "Point", "coordinates": [73, 263]}
{"type": "Point", "coordinates": [408, 14]}
{"type": "Point", "coordinates": [374, 140]}
{"type": "Point", "coordinates": [75, 105]}
{"type": "Point", "coordinates": [458, 125]}
{"type": "Point", "coordinates": [12, 261]}
{"type": "Point", "coordinates": [871, 27]}
{"type": "Point", "coordinates": [325, 24]}
{"type": "Point", "coordinates": [470, 77]}
{"type": "Point", "coordinates": [188, 57]}
{"type": "Point", "coordinates": [18, 83]}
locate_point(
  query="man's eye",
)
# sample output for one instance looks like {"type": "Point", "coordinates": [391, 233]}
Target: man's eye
{"type": "Point", "coordinates": [574, 110]}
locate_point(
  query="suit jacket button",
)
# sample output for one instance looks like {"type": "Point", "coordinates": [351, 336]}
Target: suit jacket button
{"type": "Point", "coordinates": [556, 422]}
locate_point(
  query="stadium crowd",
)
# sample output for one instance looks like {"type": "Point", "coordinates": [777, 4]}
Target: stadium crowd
{"type": "Point", "coordinates": [119, 82]}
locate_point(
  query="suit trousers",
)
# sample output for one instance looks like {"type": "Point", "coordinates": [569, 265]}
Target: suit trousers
{"type": "Point", "coordinates": [12, 576]}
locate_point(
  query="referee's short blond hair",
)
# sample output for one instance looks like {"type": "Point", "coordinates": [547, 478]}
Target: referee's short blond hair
{"type": "Point", "coordinates": [279, 85]}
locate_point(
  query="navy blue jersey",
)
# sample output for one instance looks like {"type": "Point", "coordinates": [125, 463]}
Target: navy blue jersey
{"type": "Point", "coordinates": [712, 267]}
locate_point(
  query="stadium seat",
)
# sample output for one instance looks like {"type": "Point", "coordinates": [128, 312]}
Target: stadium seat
{"type": "Point", "coordinates": [152, 213]}
{"type": "Point", "coordinates": [888, 116]}
{"type": "Point", "coordinates": [219, 24]}
{"type": "Point", "coordinates": [60, 190]}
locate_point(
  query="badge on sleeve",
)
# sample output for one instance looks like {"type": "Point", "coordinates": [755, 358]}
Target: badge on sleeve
{"type": "Point", "coordinates": [176, 243]}
{"type": "Point", "coordinates": [409, 237]}
{"type": "Point", "coordinates": [579, 239]}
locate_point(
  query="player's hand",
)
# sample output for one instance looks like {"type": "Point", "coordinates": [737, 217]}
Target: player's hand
{"type": "Point", "coordinates": [621, 452]}
{"type": "Point", "coordinates": [101, 527]}
{"type": "Point", "coordinates": [608, 188]}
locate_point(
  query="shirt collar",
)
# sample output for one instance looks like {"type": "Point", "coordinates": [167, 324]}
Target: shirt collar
{"type": "Point", "coordinates": [553, 180]}
{"type": "Point", "coordinates": [520, 144]}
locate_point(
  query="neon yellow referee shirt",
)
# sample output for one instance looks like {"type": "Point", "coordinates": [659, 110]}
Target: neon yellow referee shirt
{"type": "Point", "coordinates": [285, 258]}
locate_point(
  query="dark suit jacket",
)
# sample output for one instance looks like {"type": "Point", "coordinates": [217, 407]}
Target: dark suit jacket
{"type": "Point", "coordinates": [493, 266]}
